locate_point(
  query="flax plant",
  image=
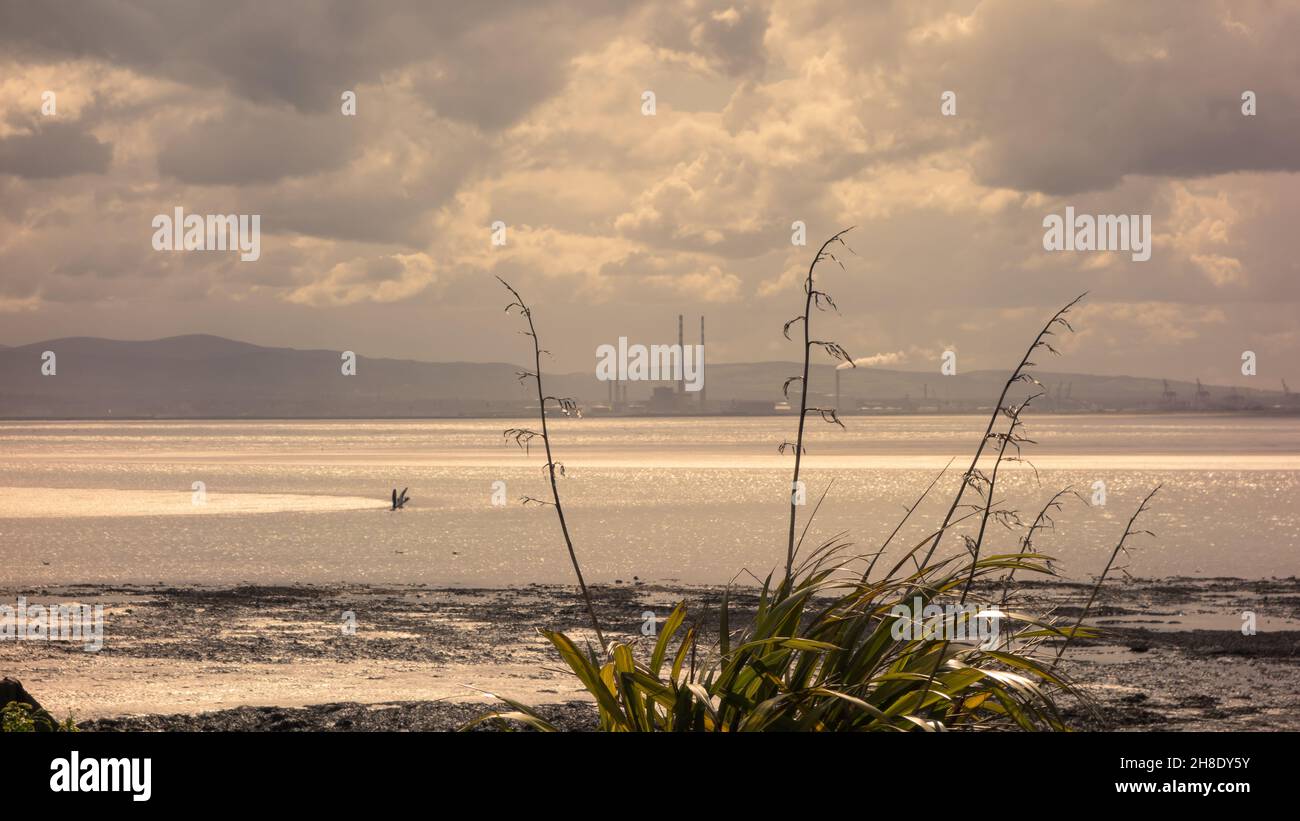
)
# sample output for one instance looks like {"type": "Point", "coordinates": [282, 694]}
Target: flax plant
{"type": "Point", "coordinates": [827, 648]}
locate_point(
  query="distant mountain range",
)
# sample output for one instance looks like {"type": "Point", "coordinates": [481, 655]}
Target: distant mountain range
{"type": "Point", "coordinates": [211, 377]}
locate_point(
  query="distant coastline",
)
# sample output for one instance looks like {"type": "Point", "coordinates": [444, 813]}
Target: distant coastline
{"type": "Point", "coordinates": [723, 414]}
{"type": "Point", "coordinates": [208, 377]}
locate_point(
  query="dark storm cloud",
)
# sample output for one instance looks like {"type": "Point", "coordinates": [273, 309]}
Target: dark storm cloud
{"type": "Point", "coordinates": [255, 146]}
{"type": "Point", "coordinates": [54, 149]}
{"type": "Point", "coordinates": [1073, 97]}
{"type": "Point", "coordinates": [729, 34]}
{"type": "Point", "coordinates": [1062, 97]}
{"type": "Point", "coordinates": [527, 65]}
{"type": "Point", "coordinates": [364, 216]}
{"type": "Point", "coordinates": [820, 111]}
{"type": "Point", "coordinates": [299, 53]}
{"type": "Point", "coordinates": [305, 53]}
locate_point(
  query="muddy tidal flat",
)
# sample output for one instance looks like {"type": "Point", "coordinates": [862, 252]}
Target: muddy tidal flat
{"type": "Point", "coordinates": [357, 657]}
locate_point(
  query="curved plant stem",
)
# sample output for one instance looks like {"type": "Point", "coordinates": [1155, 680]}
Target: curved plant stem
{"type": "Point", "coordinates": [1018, 375]}
{"type": "Point", "coordinates": [550, 460]}
{"type": "Point", "coordinates": [803, 395]}
{"type": "Point", "coordinates": [1096, 588]}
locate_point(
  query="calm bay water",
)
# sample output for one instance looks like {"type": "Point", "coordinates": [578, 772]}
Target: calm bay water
{"type": "Point", "coordinates": [693, 500]}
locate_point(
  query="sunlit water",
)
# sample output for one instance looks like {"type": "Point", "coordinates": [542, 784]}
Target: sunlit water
{"type": "Point", "coordinates": [694, 500]}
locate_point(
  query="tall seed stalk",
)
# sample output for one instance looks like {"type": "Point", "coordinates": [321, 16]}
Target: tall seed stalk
{"type": "Point", "coordinates": [1114, 554]}
{"type": "Point", "coordinates": [986, 484]}
{"type": "Point", "coordinates": [812, 297]}
{"type": "Point", "coordinates": [973, 475]}
{"type": "Point", "coordinates": [522, 437]}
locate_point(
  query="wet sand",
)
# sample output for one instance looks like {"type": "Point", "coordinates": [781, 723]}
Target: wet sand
{"type": "Point", "coordinates": [284, 658]}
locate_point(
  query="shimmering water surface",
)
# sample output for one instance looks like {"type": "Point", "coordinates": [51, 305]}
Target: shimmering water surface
{"type": "Point", "coordinates": [694, 500]}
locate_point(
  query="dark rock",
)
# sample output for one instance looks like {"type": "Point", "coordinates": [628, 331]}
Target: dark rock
{"type": "Point", "coordinates": [11, 689]}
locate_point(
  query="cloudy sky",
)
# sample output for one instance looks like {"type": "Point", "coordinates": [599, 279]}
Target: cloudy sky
{"type": "Point", "coordinates": [376, 228]}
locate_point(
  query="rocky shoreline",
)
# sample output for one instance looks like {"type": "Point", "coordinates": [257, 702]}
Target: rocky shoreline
{"type": "Point", "coordinates": [410, 657]}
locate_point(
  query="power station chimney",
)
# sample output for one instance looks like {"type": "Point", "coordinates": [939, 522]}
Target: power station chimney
{"type": "Point", "coordinates": [700, 361]}
{"type": "Point", "coordinates": [681, 352]}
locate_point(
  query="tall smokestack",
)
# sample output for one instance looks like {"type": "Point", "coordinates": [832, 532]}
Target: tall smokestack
{"type": "Point", "coordinates": [837, 390]}
{"type": "Point", "coordinates": [681, 351]}
{"type": "Point", "coordinates": [700, 361]}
